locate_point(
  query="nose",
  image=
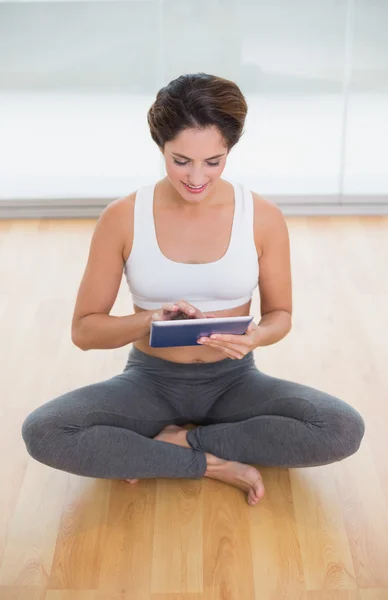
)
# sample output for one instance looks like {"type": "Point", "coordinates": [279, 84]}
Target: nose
{"type": "Point", "coordinates": [196, 176]}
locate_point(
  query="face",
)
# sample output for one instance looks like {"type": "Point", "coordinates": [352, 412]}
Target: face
{"type": "Point", "coordinates": [195, 159]}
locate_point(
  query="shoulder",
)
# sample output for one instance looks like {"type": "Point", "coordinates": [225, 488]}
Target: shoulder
{"type": "Point", "coordinates": [117, 217]}
{"type": "Point", "coordinates": [268, 222]}
{"type": "Point", "coordinates": [265, 211]}
{"type": "Point", "coordinates": [122, 205]}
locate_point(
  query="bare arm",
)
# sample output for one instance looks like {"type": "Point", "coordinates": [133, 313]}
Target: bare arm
{"type": "Point", "coordinates": [275, 285]}
{"type": "Point", "coordinates": [92, 325]}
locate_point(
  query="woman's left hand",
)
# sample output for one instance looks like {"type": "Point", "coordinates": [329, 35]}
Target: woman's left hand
{"type": "Point", "coordinates": [234, 346]}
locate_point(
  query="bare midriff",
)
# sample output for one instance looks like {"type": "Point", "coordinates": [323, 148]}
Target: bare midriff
{"type": "Point", "coordinates": [191, 354]}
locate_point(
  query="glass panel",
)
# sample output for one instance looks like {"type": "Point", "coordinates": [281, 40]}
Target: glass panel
{"type": "Point", "coordinates": [366, 164]}
{"type": "Point", "coordinates": [288, 58]}
{"type": "Point", "coordinates": [76, 80]}
{"type": "Point", "coordinates": [292, 64]}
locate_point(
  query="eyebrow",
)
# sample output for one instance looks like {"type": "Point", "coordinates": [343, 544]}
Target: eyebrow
{"type": "Point", "coordinates": [187, 158]}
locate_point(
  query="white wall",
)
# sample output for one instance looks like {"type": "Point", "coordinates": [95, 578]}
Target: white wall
{"type": "Point", "coordinates": [77, 78]}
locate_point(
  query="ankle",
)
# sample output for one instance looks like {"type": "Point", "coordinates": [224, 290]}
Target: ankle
{"type": "Point", "coordinates": [213, 463]}
{"type": "Point", "coordinates": [182, 435]}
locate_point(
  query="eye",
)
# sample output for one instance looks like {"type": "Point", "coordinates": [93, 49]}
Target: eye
{"type": "Point", "coordinates": [210, 164]}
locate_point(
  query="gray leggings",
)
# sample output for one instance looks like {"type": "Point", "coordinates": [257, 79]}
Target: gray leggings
{"type": "Point", "coordinates": [105, 429]}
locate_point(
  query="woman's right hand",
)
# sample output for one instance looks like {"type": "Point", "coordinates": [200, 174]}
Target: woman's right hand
{"type": "Point", "coordinates": [178, 310]}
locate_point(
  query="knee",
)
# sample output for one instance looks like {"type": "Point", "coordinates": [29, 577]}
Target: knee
{"type": "Point", "coordinates": [349, 433]}
{"type": "Point", "coordinates": [37, 428]}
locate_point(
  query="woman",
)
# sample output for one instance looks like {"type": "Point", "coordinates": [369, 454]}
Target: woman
{"type": "Point", "coordinates": [190, 245]}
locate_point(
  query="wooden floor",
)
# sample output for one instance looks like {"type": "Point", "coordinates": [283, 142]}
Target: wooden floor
{"type": "Point", "coordinates": [319, 533]}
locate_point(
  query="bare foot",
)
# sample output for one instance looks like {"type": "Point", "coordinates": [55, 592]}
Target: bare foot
{"type": "Point", "coordinates": [243, 476]}
{"type": "Point", "coordinates": [173, 434]}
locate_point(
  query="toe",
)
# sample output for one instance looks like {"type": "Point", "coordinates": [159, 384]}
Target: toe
{"type": "Point", "coordinates": [259, 490]}
{"type": "Point", "coordinates": [256, 492]}
{"type": "Point", "coordinates": [251, 496]}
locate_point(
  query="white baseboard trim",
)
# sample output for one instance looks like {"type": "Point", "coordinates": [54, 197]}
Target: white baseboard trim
{"type": "Point", "coordinates": [89, 208]}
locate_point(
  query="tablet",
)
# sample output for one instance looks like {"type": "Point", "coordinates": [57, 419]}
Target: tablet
{"type": "Point", "coordinates": [186, 332]}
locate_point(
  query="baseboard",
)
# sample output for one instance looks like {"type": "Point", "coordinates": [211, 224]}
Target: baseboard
{"type": "Point", "coordinates": [89, 208]}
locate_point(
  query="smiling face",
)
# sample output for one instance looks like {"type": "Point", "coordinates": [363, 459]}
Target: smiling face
{"type": "Point", "coordinates": [195, 160]}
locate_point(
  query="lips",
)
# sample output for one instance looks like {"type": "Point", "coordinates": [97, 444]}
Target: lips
{"type": "Point", "coordinates": [195, 190]}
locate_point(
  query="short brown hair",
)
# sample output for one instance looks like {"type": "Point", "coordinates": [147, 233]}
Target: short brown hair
{"type": "Point", "coordinates": [198, 100]}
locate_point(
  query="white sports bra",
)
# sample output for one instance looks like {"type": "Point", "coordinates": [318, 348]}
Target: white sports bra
{"type": "Point", "coordinates": [154, 279]}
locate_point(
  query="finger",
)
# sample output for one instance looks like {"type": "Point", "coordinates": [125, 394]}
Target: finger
{"type": "Point", "coordinates": [236, 349]}
{"type": "Point", "coordinates": [239, 345]}
{"type": "Point", "coordinates": [210, 316]}
{"type": "Point", "coordinates": [188, 309]}
{"type": "Point", "coordinates": [169, 316]}
{"type": "Point", "coordinates": [156, 317]}
{"type": "Point", "coordinates": [226, 351]}
{"type": "Point", "coordinates": [170, 307]}
{"type": "Point", "coordinates": [231, 352]}
{"type": "Point", "coordinates": [223, 338]}
{"type": "Point", "coordinates": [178, 315]}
